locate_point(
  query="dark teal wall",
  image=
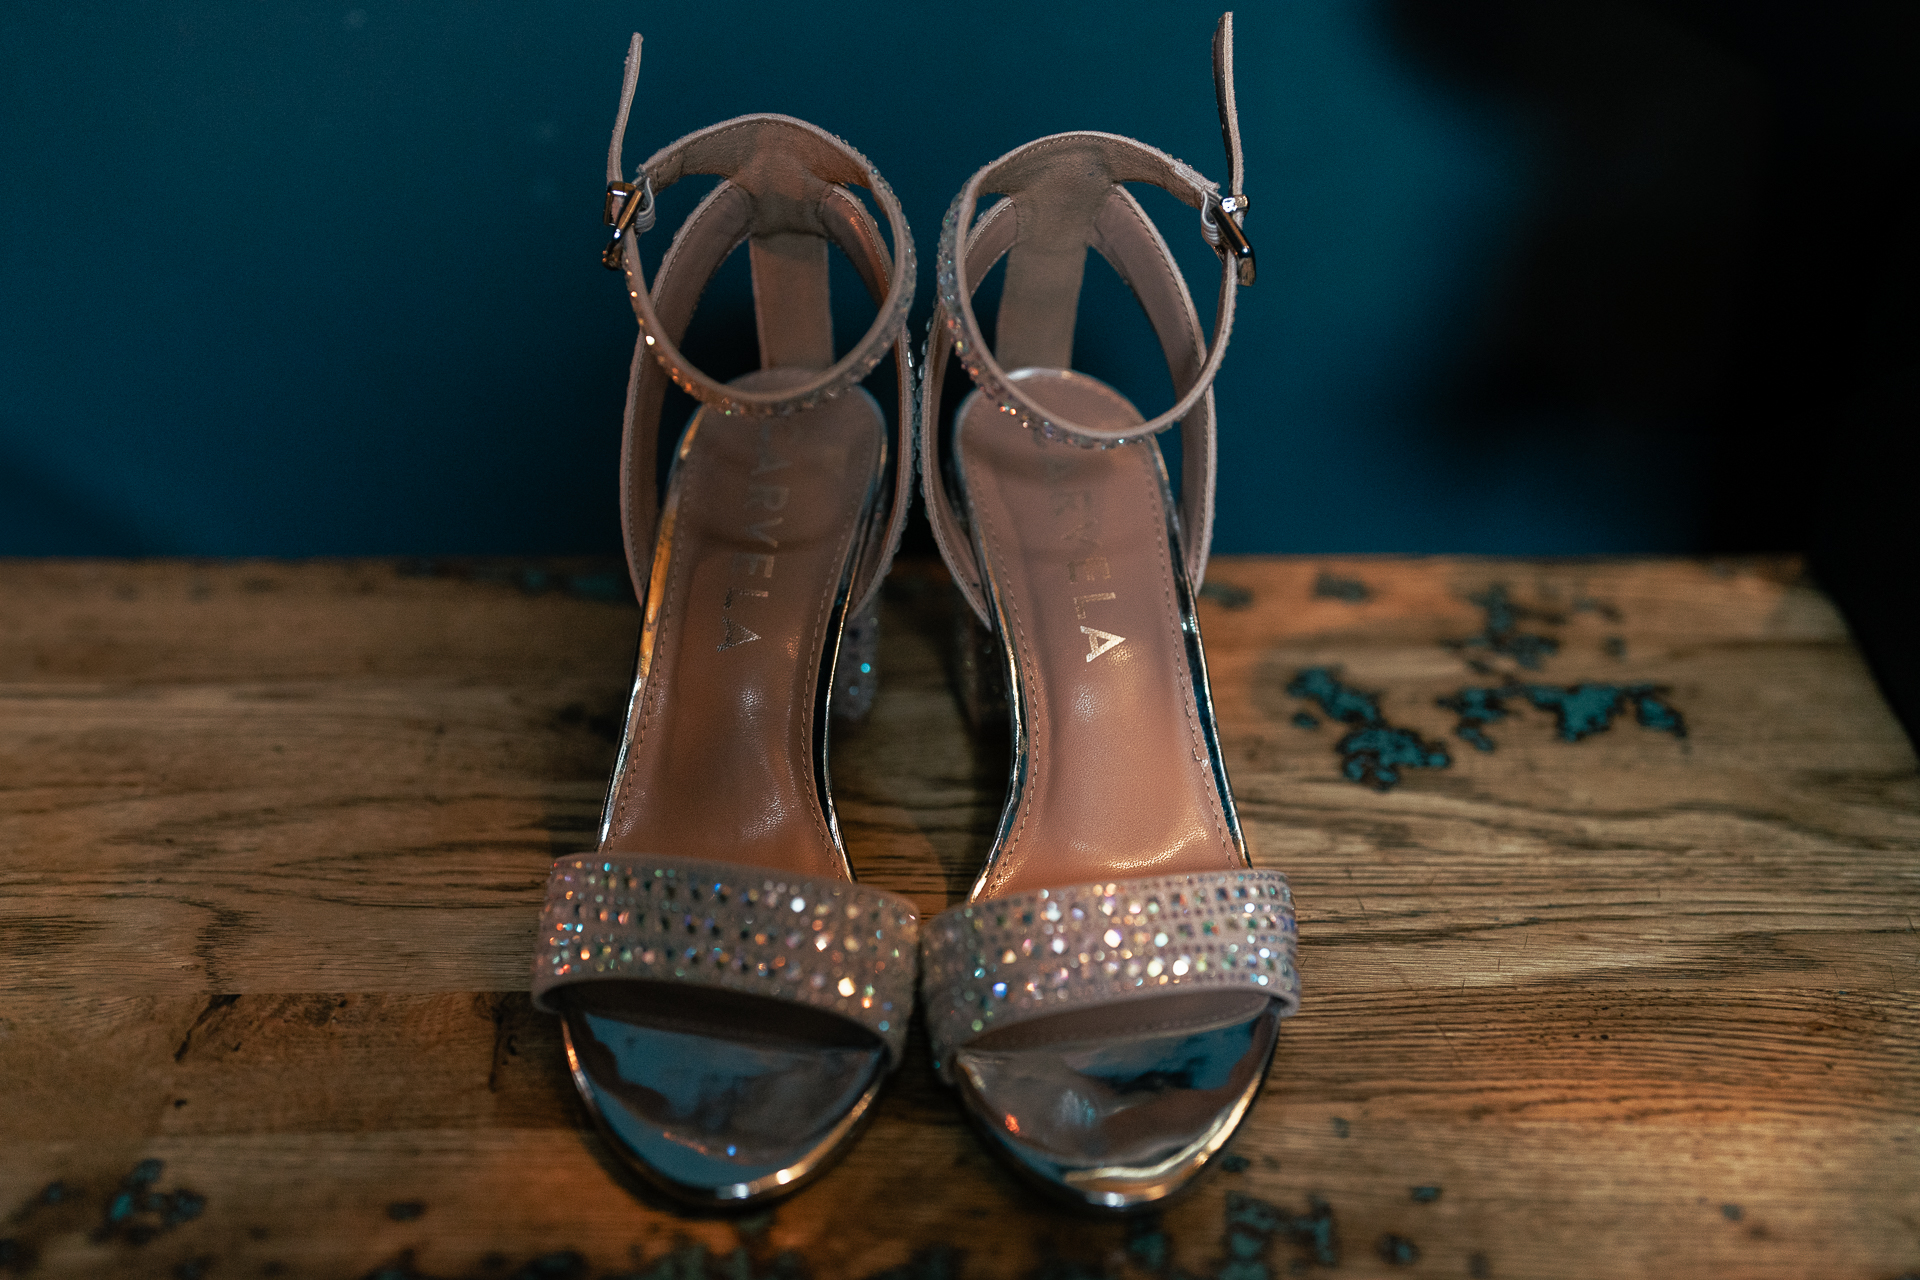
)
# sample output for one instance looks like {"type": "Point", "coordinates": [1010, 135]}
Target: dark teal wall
{"type": "Point", "coordinates": [298, 278]}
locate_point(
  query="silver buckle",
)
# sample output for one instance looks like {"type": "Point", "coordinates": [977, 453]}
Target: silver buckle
{"type": "Point", "coordinates": [627, 208]}
{"type": "Point", "coordinates": [1225, 235]}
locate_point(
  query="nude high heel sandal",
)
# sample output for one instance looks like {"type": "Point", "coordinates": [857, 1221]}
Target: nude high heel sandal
{"type": "Point", "coordinates": [1108, 1001]}
{"type": "Point", "coordinates": [731, 1001]}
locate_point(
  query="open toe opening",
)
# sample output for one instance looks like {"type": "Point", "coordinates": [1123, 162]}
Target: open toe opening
{"type": "Point", "coordinates": [1121, 1106]}
{"type": "Point", "coordinates": [714, 1095]}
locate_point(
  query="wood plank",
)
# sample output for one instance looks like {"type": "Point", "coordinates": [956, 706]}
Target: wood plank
{"type": "Point", "coordinates": [272, 839]}
{"type": "Point", "coordinates": [1699, 1103]}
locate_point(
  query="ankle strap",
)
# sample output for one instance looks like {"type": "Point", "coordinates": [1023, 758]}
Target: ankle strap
{"type": "Point", "coordinates": [784, 192]}
{"type": "Point", "coordinates": [1065, 195]}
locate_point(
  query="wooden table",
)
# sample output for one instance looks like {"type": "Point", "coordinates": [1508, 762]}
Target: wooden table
{"type": "Point", "coordinates": [273, 836]}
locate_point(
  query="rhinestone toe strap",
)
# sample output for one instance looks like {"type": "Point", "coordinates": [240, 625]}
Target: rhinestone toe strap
{"type": "Point", "coordinates": [1003, 961]}
{"type": "Point", "coordinates": [832, 944]}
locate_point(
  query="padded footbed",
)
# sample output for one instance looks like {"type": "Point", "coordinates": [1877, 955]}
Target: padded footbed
{"type": "Point", "coordinates": [758, 531]}
{"type": "Point", "coordinates": [1118, 778]}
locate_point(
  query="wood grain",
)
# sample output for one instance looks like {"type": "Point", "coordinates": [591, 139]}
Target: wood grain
{"type": "Point", "coordinates": [273, 836]}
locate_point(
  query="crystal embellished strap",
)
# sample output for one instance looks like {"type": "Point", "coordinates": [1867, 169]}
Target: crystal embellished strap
{"type": "Point", "coordinates": [1058, 188]}
{"type": "Point", "coordinates": [831, 944]}
{"type": "Point", "coordinates": [812, 161]}
{"type": "Point", "coordinates": [1003, 961]}
{"type": "Point", "coordinates": [1129, 161]}
{"type": "Point", "coordinates": [1119, 160]}
{"type": "Point", "coordinates": [784, 186]}
{"type": "Point", "coordinates": [1132, 245]}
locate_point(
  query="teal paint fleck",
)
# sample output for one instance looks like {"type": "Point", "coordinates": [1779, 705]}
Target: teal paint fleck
{"type": "Point", "coordinates": [1315, 1230]}
{"type": "Point", "coordinates": [136, 1213]}
{"type": "Point", "coordinates": [1586, 709]}
{"type": "Point", "coordinates": [1351, 590]}
{"type": "Point", "coordinates": [1374, 757]}
{"type": "Point", "coordinates": [1234, 1164]}
{"type": "Point", "coordinates": [1305, 720]}
{"type": "Point", "coordinates": [1476, 707]}
{"type": "Point", "coordinates": [1147, 1243]}
{"type": "Point", "coordinates": [1424, 1195]}
{"type": "Point", "coordinates": [181, 1206]}
{"type": "Point", "coordinates": [1340, 1127]}
{"type": "Point", "coordinates": [607, 587]}
{"type": "Point", "coordinates": [1580, 710]}
{"type": "Point", "coordinates": [1348, 706]}
{"type": "Point", "coordinates": [753, 1225]}
{"type": "Point", "coordinates": [562, 1264]}
{"type": "Point", "coordinates": [1649, 712]}
{"type": "Point", "coordinates": [1376, 751]}
{"type": "Point", "coordinates": [1251, 1224]}
{"type": "Point", "coordinates": [1502, 634]}
{"type": "Point", "coordinates": [1226, 595]}
{"type": "Point", "coordinates": [686, 1263]}
{"type": "Point", "coordinates": [401, 1270]}
{"type": "Point", "coordinates": [1732, 1212]}
{"type": "Point", "coordinates": [935, 1262]}
{"type": "Point", "coordinates": [1397, 1251]}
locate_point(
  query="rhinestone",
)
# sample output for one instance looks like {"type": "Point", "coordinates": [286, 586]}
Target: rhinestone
{"type": "Point", "coordinates": [1123, 958]}
{"type": "Point", "coordinates": [734, 949]}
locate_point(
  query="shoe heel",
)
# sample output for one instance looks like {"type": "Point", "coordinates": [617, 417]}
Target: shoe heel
{"type": "Point", "coordinates": [979, 681]}
{"type": "Point", "coordinates": [856, 677]}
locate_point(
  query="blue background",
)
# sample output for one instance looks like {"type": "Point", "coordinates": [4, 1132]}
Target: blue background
{"type": "Point", "coordinates": [292, 278]}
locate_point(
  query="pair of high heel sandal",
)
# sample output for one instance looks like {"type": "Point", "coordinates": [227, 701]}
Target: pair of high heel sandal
{"type": "Point", "coordinates": [1107, 1001]}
